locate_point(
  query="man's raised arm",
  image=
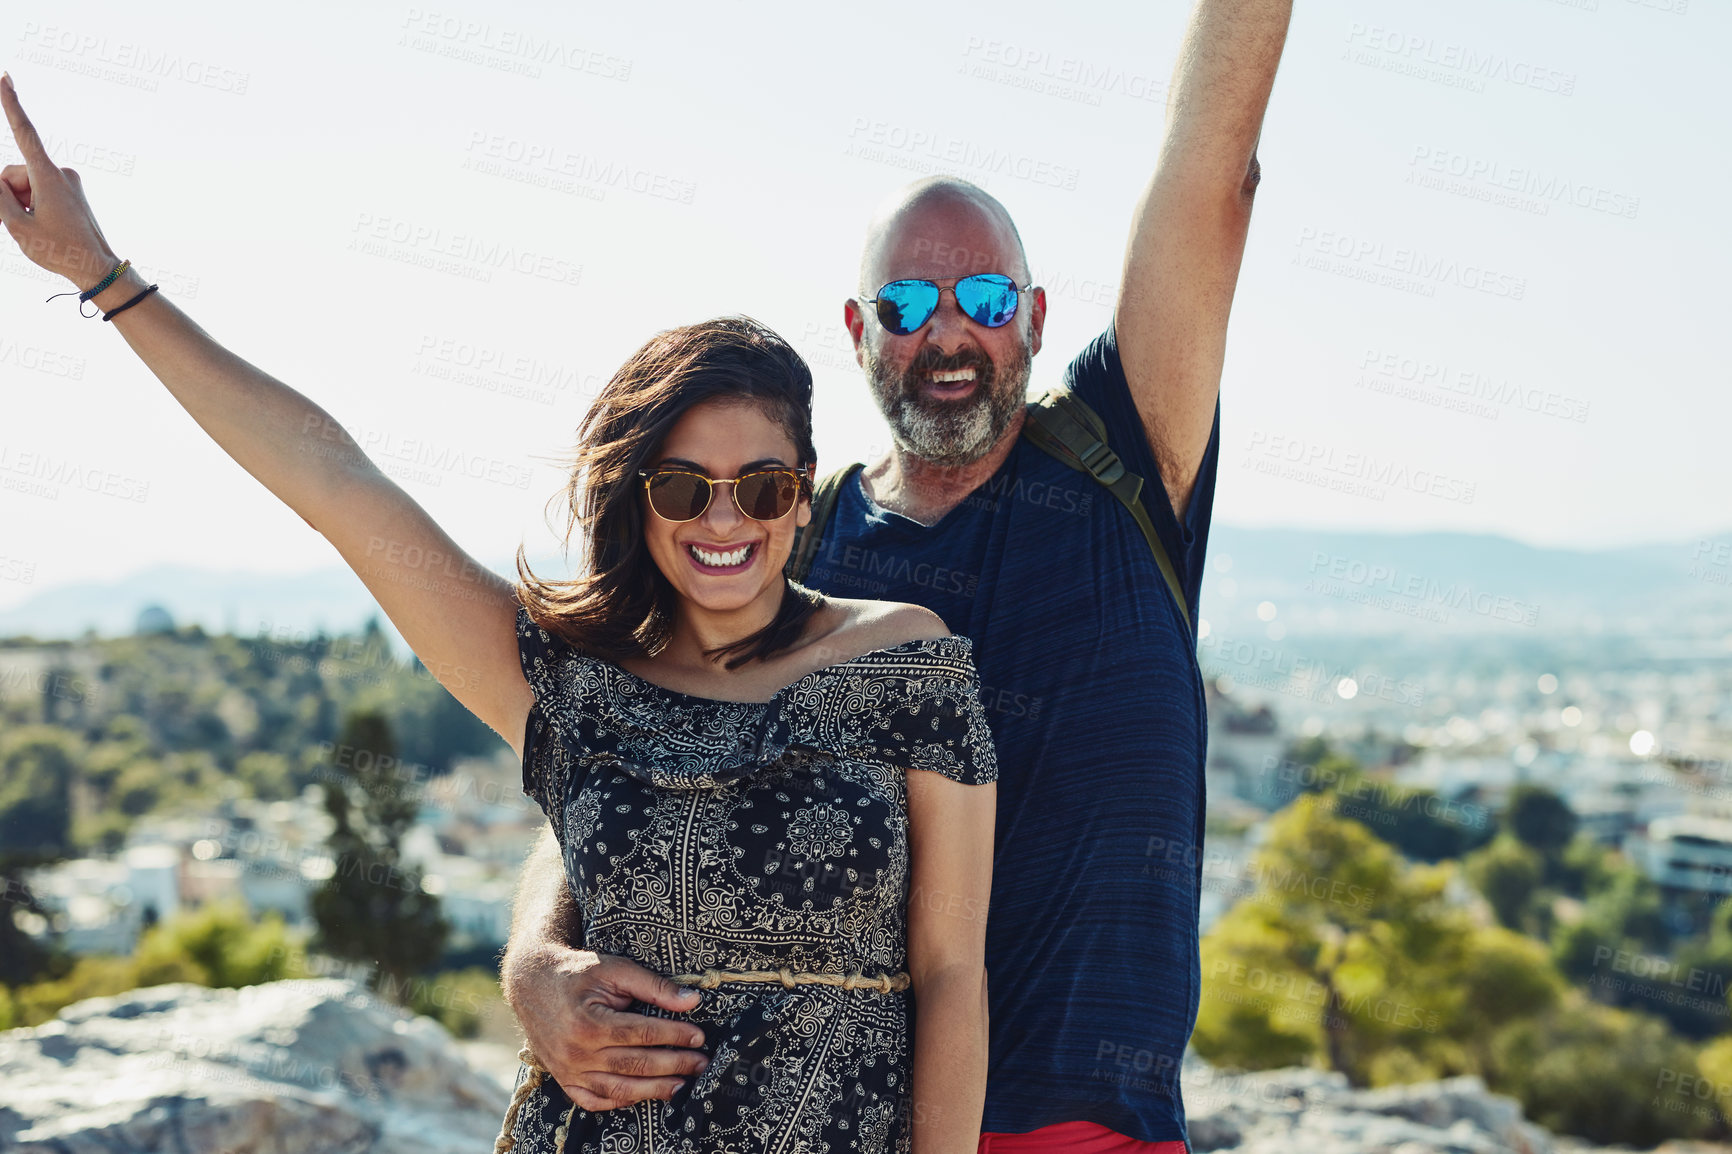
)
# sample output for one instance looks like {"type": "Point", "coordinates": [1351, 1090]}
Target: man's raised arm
{"type": "Point", "coordinates": [1188, 234]}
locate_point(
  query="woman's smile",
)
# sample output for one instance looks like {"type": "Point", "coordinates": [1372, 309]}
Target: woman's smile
{"type": "Point", "coordinates": [723, 561]}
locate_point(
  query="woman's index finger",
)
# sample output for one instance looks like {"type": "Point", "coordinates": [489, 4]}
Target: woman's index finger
{"type": "Point", "coordinates": [29, 141]}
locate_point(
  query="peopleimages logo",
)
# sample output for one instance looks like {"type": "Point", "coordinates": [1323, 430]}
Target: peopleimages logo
{"type": "Point", "coordinates": [1375, 577]}
{"type": "Point", "coordinates": [1276, 450]}
{"type": "Point", "coordinates": [483, 42]}
{"type": "Point", "coordinates": [1430, 58]}
{"type": "Point", "coordinates": [544, 158]}
{"type": "Point", "coordinates": [1423, 269]}
{"type": "Point", "coordinates": [1545, 188]}
{"type": "Point", "coordinates": [1472, 386]}
{"type": "Point", "coordinates": [137, 65]}
{"type": "Point", "coordinates": [464, 253]}
{"type": "Point", "coordinates": [41, 360]}
{"type": "Point", "coordinates": [1051, 74]}
{"type": "Point", "coordinates": [883, 140]}
{"type": "Point", "coordinates": [41, 474]}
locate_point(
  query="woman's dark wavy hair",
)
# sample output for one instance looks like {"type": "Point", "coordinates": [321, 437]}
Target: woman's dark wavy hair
{"type": "Point", "coordinates": [623, 606]}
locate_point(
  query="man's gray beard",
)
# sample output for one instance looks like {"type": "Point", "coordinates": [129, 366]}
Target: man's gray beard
{"type": "Point", "coordinates": [950, 432]}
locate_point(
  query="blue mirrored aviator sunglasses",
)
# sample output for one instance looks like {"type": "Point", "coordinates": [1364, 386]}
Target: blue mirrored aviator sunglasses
{"type": "Point", "coordinates": [987, 298]}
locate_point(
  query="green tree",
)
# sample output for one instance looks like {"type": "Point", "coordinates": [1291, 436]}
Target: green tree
{"type": "Point", "coordinates": [373, 908]}
{"type": "Point", "coordinates": [1540, 818]}
{"type": "Point", "coordinates": [1345, 957]}
{"type": "Point", "coordinates": [268, 775]}
{"type": "Point", "coordinates": [221, 945]}
{"type": "Point", "coordinates": [38, 765]}
{"type": "Point", "coordinates": [1604, 1074]}
{"type": "Point", "coordinates": [215, 945]}
{"type": "Point", "coordinates": [463, 1001]}
{"type": "Point", "coordinates": [1496, 977]}
{"type": "Point", "coordinates": [1415, 821]}
{"type": "Point", "coordinates": [1624, 914]}
{"type": "Point", "coordinates": [1585, 867]}
{"type": "Point", "coordinates": [1336, 950]}
{"type": "Point", "coordinates": [1508, 873]}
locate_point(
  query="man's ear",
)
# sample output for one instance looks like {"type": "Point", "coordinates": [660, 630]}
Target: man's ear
{"type": "Point", "coordinates": [1036, 318]}
{"type": "Point", "coordinates": [855, 318]}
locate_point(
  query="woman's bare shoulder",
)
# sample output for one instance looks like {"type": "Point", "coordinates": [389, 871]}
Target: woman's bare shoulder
{"type": "Point", "coordinates": [864, 626]}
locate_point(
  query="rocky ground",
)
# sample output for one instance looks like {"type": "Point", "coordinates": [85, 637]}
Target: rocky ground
{"type": "Point", "coordinates": [321, 1067]}
{"type": "Point", "coordinates": [314, 1066]}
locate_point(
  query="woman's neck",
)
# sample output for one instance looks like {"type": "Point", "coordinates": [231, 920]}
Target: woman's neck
{"type": "Point", "coordinates": [697, 631]}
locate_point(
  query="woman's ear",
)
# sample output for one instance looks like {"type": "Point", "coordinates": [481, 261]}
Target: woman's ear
{"type": "Point", "coordinates": [803, 516]}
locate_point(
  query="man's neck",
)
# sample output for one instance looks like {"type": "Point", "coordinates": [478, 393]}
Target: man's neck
{"type": "Point", "coordinates": [925, 491]}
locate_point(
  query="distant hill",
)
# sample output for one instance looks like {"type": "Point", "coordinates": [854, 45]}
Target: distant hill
{"type": "Point", "coordinates": [221, 601]}
{"type": "Point", "coordinates": [1350, 581]}
{"type": "Point", "coordinates": [1334, 581]}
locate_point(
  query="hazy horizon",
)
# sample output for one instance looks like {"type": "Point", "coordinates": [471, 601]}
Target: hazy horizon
{"type": "Point", "coordinates": [1473, 300]}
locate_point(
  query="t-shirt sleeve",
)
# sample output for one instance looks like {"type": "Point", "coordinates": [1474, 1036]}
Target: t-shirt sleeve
{"type": "Point", "coordinates": [547, 762]}
{"type": "Point", "coordinates": [1097, 376]}
{"type": "Point", "coordinates": [940, 724]}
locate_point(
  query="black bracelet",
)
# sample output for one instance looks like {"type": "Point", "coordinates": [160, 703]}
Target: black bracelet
{"type": "Point", "coordinates": [118, 309]}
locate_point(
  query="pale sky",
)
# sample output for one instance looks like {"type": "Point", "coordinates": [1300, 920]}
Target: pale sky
{"type": "Point", "coordinates": [1484, 269]}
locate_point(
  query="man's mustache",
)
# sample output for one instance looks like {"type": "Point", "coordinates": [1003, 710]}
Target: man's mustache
{"type": "Point", "coordinates": [938, 363]}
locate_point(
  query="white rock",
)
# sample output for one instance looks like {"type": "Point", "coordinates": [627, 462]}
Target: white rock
{"type": "Point", "coordinates": [1281, 1111]}
{"type": "Point", "coordinates": [321, 1067]}
{"type": "Point", "coordinates": [284, 1067]}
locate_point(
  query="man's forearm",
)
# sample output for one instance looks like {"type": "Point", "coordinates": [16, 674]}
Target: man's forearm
{"type": "Point", "coordinates": [545, 919]}
{"type": "Point", "coordinates": [1221, 82]}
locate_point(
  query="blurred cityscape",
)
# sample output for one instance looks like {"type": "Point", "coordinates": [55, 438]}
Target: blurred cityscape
{"type": "Point", "coordinates": [1469, 805]}
{"type": "Point", "coordinates": [1453, 668]}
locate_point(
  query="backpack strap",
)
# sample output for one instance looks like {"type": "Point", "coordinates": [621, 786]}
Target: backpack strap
{"type": "Point", "coordinates": [824, 497]}
{"type": "Point", "coordinates": [1064, 427]}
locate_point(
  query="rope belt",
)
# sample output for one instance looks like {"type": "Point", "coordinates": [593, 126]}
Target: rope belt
{"type": "Point", "coordinates": [708, 980]}
{"type": "Point", "coordinates": [883, 983]}
{"type": "Point", "coordinates": [537, 1074]}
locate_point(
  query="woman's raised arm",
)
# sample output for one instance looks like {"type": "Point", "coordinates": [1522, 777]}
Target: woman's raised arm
{"type": "Point", "coordinates": [457, 616]}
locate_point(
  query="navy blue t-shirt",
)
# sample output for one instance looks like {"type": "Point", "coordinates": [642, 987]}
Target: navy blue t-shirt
{"type": "Point", "coordinates": [1091, 684]}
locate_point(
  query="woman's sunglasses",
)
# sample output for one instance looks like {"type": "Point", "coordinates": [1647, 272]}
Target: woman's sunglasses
{"type": "Point", "coordinates": [987, 298]}
{"type": "Point", "coordinates": [762, 495]}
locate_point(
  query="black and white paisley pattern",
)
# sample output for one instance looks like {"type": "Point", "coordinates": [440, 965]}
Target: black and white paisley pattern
{"type": "Point", "coordinates": [701, 834]}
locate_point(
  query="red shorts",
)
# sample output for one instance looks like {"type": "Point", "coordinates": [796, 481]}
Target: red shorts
{"type": "Point", "coordinates": [1073, 1138]}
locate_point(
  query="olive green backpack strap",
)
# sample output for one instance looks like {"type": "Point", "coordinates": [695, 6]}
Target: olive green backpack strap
{"type": "Point", "coordinates": [1063, 426]}
{"type": "Point", "coordinates": [823, 505]}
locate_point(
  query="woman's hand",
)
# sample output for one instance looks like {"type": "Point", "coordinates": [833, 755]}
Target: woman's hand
{"type": "Point", "coordinates": [43, 206]}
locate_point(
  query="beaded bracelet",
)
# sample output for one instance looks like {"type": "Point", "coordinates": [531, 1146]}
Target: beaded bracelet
{"type": "Point", "coordinates": [118, 309]}
{"type": "Point", "coordinates": [98, 287]}
{"type": "Point", "coordinates": [105, 281]}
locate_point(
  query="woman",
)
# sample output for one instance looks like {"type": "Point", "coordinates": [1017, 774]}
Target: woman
{"type": "Point", "coordinates": [724, 755]}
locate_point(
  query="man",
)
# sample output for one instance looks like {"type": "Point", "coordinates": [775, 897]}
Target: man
{"type": "Point", "coordinates": [1087, 662]}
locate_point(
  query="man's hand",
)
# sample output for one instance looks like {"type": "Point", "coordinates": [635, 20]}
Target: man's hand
{"type": "Point", "coordinates": [572, 1003]}
{"type": "Point", "coordinates": [572, 1006]}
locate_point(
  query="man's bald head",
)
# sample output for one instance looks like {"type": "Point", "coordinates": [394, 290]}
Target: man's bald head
{"type": "Point", "coordinates": [951, 390]}
{"type": "Point", "coordinates": [939, 228]}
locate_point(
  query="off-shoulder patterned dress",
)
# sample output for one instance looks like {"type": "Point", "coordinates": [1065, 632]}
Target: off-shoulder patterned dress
{"type": "Point", "coordinates": [703, 834]}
